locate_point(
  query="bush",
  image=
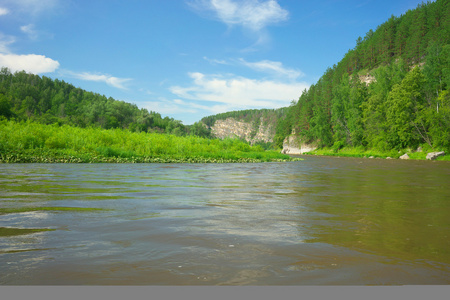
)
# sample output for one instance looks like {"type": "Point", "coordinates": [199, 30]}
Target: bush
{"type": "Point", "coordinates": [338, 145]}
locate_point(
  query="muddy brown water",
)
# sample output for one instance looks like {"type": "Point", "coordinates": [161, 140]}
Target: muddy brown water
{"type": "Point", "coordinates": [321, 221]}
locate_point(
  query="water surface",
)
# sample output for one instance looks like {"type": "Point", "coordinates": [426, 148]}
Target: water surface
{"type": "Point", "coordinates": [321, 221]}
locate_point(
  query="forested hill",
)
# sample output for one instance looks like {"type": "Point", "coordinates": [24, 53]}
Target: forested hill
{"type": "Point", "coordinates": [390, 92]}
{"type": "Point", "coordinates": [44, 100]}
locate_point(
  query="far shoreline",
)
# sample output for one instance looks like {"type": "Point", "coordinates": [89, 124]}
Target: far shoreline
{"type": "Point", "coordinates": [373, 154]}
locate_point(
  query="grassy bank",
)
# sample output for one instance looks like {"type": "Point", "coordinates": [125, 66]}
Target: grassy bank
{"type": "Point", "coordinates": [373, 153]}
{"type": "Point", "coordinates": [29, 142]}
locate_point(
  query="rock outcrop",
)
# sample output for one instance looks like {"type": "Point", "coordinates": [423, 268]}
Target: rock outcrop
{"type": "Point", "coordinates": [291, 145]}
{"type": "Point", "coordinates": [434, 155]}
{"type": "Point", "coordinates": [367, 79]}
{"type": "Point", "coordinates": [404, 156]}
{"type": "Point", "coordinates": [231, 128]}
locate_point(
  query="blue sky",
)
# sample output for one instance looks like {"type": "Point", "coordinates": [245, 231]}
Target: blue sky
{"type": "Point", "coordinates": [187, 59]}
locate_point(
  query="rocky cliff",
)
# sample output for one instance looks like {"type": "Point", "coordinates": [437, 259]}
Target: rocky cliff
{"type": "Point", "coordinates": [257, 132]}
{"type": "Point", "coordinates": [251, 132]}
{"type": "Point", "coordinates": [292, 145]}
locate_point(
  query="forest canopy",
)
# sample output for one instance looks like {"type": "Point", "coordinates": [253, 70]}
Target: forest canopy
{"type": "Point", "coordinates": [26, 96]}
{"type": "Point", "coordinates": [390, 92]}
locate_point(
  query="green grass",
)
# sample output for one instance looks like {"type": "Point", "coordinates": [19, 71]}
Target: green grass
{"type": "Point", "coordinates": [29, 142]}
{"type": "Point", "coordinates": [362, 152]}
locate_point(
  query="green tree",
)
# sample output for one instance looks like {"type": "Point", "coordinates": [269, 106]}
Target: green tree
{"type": "Point", "coordinates": [358, 95]}
{"type": "Point", "coordinates": [405, 103]}
{"type": "Point", "coordinates": [339, 108]}
{"type": "Point", "coordinates": [5, 107]}
{"type": "Point", "coordinates": [438, 122]}
{"type": "Point", "coordinates": [200, 129]}
{"type": "Point", "coordinates": [437, 60]}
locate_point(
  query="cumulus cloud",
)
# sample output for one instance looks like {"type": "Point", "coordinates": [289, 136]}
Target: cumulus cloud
{"type": "Point", "coordinates": [32, 63]}
{"type": "Point", "coordinates": [240, 92]}
{"type": "Point", "coordinates": [273, 67]}
{"type": "Point", "coordinates": [250, 14]}
{"type": "Point", "coordinates": [108, 79]}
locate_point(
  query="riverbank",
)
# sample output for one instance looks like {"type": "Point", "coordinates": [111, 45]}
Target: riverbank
{"type": "Point", "coordinates": [38, 156]}
{"type": "Point", "coordinates": [29, 142]}
{"type": "Point", "coordinates": [420, 154]}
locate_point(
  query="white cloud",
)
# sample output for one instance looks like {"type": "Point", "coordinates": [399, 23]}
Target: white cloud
{"type": "Point", "coordinates": [240, 92]}
{"type": "Point", "coordinates": [267, 66]}
{"type": "Point", "coordinates": [108, 79]}
{"type": "Point", "coordinates": [34, 33]}
{"type": "Point", "coordinates": [167, 107]}
{"type": "Point", "coordinates": [273, 67]}
{"type": "Point", "coordinates": [32, 63]}
{"type": "Point", "coordinates": [33, 7]}
{"type": "Point", "coordinates": [188, 111]}
{"type": "Point", "coordinates": [5, 41]}
{"type": "Point", "coordinates": [3, 11]}
{"type": "Point", "coordinates": [30, 30]}
{"type": "Point", "coordinates": [250, 14]}
{"type": "Point", "coordinates": [146, 91]}
{"type": "Point", "coordinates": [215, 61]}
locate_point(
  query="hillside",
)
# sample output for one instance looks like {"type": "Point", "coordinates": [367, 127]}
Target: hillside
{"type": "Point", "coordinates": [389, 92]}
{"type": "Point", "coordinates": [26, 96]}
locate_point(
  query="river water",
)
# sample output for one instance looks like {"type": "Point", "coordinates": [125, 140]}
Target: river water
{"type": "Point", "coordinates": [320, 221]}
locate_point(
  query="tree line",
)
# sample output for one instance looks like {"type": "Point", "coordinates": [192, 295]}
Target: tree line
{"type": "Point", "coordinates": [26, 96]}
{"type": "Point", "coordinates": [406, 102]}
{"type": "Point", "coordinates": [266, 116]}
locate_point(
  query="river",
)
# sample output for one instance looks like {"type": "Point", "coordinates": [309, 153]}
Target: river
{"type": "Point", "coordinates": [320, 221]}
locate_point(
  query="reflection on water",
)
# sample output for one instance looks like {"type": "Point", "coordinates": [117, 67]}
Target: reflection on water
{"type": "Point", "coordinates": [331, 221]}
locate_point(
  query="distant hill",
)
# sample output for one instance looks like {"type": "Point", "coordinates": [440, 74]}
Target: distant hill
{"type": "Point", "coordinates": [390, 92]}
{"type": "Point", "coordinates": [25, 96]}
{"type": "Point", "coordinates": [43, 100]}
